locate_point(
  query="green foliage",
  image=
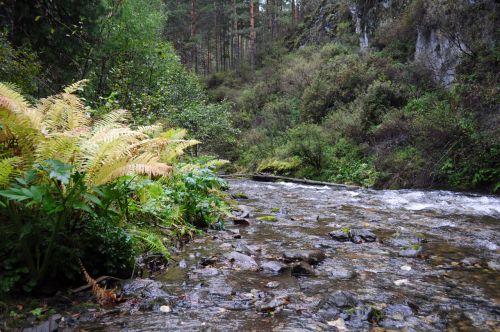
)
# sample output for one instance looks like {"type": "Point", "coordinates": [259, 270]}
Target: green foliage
{"type": "Point", "coordinates": [338, 82]}
{"type": "Point", "coordinates": [277, 166]}
{"type": "Point", "coordinates": [20, 66]}
{"type": "Point", "coordinates": [88, 206]}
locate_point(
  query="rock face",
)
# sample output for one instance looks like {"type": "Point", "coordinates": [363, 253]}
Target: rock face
{"type": "Point", "coordinates": [435, 35]}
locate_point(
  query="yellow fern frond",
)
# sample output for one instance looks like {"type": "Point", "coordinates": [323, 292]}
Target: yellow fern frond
{"type": "Point", "coordinates": [174, 134]}
{"type": "Point", "coordinates": [113, 119]}
{"type": "Point", "coordinates": [75, 86]}
{"type": "Point", "coordinates": [175, 149]}
{"type": "Point", "coordinates": [9, 91]}
{"type": "Point", "coordinates": [9, 168]}
{"type": "Point", "coordinates": [58, 146]}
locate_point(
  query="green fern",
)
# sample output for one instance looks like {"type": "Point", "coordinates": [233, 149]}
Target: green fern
{"type": "Point", "coordinates": [9, 168]}
{"type": "Point", "coordinates": [147, 240]}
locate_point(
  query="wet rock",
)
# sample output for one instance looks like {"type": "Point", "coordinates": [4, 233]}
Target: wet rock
{"type": "Point", "coordinates": [272, 284]}
{"type": "Point", "coordinates": [239, 196]}
{"type": "Point", "coordinates": [470, 261]}
{"type": "Point", "coordinates": [302, 269]}
{"type": "Point", "coordinates": [342, 299]}
{"type": "Point", "coordinates": [241, 261]}
{"type": "Point", "coordinates": [410, 252]}
{"type": "Point", "coordinates": [50, 325]}
{"type": "Point", "coordinates": [144, 288]}
{"type": "Point", "coordinates": [208, 261]}
{"type": "Point", "coordinates": [203, 273]}
{"type": "Point", "coordinates": [273, 267]}
{"type": "Point", "coordinates": [165, 309]}
{"type": "Point", "coordinates": [362, 235]}
{"type": "Point", "coordinates": [404, 241]}
{"type": "Point", "coordinates": [401, 282]}
{"type": "Point", "coordinates": [353, 235]}
{"type": "Point", "coordinates": [273, 305]}
{"type": "Point", "coordinates": [183, 264]}
{"type": "Point", "coordinates": [492, 265]}
{"type": "Point", "coordinates": [341, 274]}
{"type": "Point", "coordinates": [241, 222]}
{"type": "Point", "coordinates": [242, 212]}
{"type": "Point", "coordinates": [312, 257]}
{"type": "Point", "coordinates": [394, 316]}
{"type": "Point", "coordinates": [338, 324]}
{"type": "Point", "coordinates": [340, 236]}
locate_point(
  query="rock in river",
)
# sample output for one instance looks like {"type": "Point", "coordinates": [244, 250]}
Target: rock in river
{"type": "Point", "coordinates": [341, 236]}
{"type": "Point", "coordinates": [410, 252]}
{"type": "Point", "coordinates": [312, 257]}
{"type": "Point", "coordinates": [342, 299]}
{"type": "Point", "coordinates": [353, 235]}
{"type": "Point", "coordinates": [303, 269]}
{"type": "Point", "coordinates": [362, 235]}
{"type": "Point", "coordinates": [273, 267]}
{"type": "Point", "coordinates": [241, 261]}
{"type": "Point", "coordinates": [341, 274]}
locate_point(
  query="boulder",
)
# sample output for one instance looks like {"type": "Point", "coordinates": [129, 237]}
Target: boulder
{"type": "Point", "coordinates": [312, 257]}
{"type": "Point", "coordinates": [241, 261]}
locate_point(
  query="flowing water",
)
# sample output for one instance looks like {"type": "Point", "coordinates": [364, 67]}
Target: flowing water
{"type": "Point", "coordinates": [434, 266]}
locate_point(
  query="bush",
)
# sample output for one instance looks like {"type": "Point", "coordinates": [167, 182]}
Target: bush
{"type": "Point", "coordinates": [74, 198]}
{"type": "Point", "coordinates": [339, 82]}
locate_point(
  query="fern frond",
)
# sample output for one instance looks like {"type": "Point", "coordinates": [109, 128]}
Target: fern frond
{"type": "Point", "coordinates": [10, 91]}
{"type": "Point", "coordinates": [103, 295]}
{"type": "Point", "coordinates": [174, 134]}
{"type": "Point", "coordinates": [175, 149]}
{"type": "Point", "coordinates": [58, 146]}
{"type": "Point", "coordinates": [112, 119]}
{"type": "Point", "coordinates": [148, 241]}
{"type": "Point", "coordinates": [110, 173]}
{"type": "Point", "coordinates": [9, 168]}
{"type": "Point", "coordinates": [75, 86]}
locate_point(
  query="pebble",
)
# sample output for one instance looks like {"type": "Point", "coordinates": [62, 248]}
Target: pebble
{"type": "Point", "coordinates": [406, 268]}
{"type": "Point", "coordinates": [339, 324]}
{"type": "Point", "coordinates": [272, 284]}
{"type": "Point", "coordinates": [401, 282]}
{"type": "Point", "coordinates": [165, 309]}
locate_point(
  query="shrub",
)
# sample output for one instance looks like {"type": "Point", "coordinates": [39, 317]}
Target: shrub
{"type": "Point", "coordinates": [339, 82]}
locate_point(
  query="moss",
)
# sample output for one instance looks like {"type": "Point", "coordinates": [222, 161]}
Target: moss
{"type": "Point", "coordinates": [345, 230]}
{"type": "Point", "coordinates": [277, 166]}
{"type": "Point", "coordinates": [240, 196]}
{"type": "Point", "coordinates": [267, 218]}
{"type": "Point", "coordinates": [275, 210]}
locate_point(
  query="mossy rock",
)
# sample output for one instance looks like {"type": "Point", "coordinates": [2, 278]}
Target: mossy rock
{"type": "Point", "coordinates": [267, 218]}
{"type": "Point", "coordinates": [240, 196]}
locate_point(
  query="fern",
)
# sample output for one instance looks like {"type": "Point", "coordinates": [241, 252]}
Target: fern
{"type": "Point", "coordinates": [147, 240]}
{"type": "Point", "coordinates": [8, 170]}
{"type": "Point", "coordinates": [59, 128]}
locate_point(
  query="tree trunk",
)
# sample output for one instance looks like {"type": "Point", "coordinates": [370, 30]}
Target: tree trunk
{"type": "Point", "coordinates": [236, 34]}
{"type": "Point", "coordinates": [252, 36]}
{"type": "Point", "coordinates": [194, 61]}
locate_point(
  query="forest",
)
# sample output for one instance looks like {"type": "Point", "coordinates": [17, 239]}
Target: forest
{"type": "Point", "coordinates": [124, 123]}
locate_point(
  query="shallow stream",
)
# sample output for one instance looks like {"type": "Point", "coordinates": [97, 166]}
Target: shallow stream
{"type": "Point", "coordinates": [433, 266]}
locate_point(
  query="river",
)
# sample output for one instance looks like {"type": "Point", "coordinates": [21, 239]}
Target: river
{"type": "Point", "coordinates": [433, 266]}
